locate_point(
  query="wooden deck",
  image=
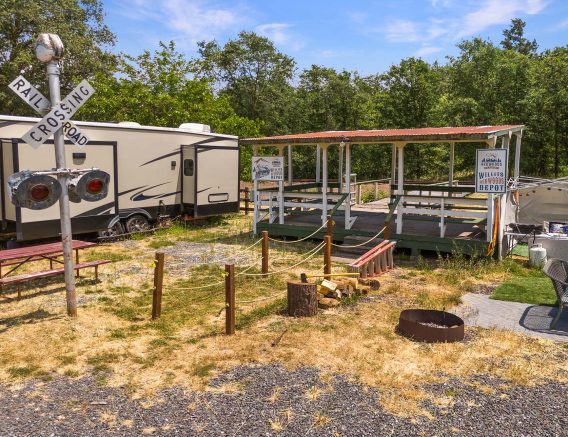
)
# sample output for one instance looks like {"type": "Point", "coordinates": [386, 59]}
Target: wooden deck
{"type": "Point", "coordinates": [418, 232]}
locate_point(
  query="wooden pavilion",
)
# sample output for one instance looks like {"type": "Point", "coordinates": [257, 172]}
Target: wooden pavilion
{"type": "Point", "coordinates": [443, 217]}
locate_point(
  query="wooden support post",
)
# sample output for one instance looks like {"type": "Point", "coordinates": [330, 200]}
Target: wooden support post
{"type": "Point", "coordinates": [229, 299]}
{"type": "Point", "coordinates": [359, 194]}
{"type": "Point", "coordinates": [318, 163]}
{"type": "Point", "coordinates": [327, 255]}
{"type": "Point", "coordinates": [290, 165]}
{"type": "Point", "coordinates": [376, 191]}
{"type": "Point", "coordinates": [158, 285]}
{"type": "Point", "coordinates": [324, 187]}
{"type": "Point", "coordinates": [264, 253]}
{"type": "Point", "coordinates": [247, 197]}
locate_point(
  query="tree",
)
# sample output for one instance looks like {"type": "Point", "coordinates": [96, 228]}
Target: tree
{"type": "Point", "coordinates": [255, 77]}
{"type": "Point", "coordinates": [79, 23]}
{"type": "Point", "coordinates": [514, 39]}
{"type": "Point", "coordinates": [159, 89]}
{"type": "Point", "coordinates": [411, 89]}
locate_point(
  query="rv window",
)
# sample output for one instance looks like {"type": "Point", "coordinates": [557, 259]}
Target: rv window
{"type": "Point", "coordinates": [188, 167]}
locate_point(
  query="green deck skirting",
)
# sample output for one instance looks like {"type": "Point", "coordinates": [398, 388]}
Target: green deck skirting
{"type": "Point", "coordinates": [405, 241]}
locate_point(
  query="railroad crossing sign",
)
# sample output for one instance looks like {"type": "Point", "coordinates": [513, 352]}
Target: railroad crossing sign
{"type": "Point", "coordinates": [58, 117]}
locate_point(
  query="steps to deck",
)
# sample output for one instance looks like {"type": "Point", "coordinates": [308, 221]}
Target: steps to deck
{"type": "Point", "coordinates": [375, 261]}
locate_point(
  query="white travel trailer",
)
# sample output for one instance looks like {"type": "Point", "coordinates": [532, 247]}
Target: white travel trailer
{"type": "Point", "coordinates": [155, 172]}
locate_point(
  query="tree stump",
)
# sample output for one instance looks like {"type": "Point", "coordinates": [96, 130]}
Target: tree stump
{"type": "Point", "coordinates": [302, 299]}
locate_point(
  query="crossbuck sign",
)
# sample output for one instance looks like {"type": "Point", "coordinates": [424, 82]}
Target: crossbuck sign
{"type": "Point", "coordinates": [58, 117]}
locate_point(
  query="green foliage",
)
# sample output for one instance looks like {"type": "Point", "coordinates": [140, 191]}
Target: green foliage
{"type": "Point", "coordinates": [160, 89]}
{"type": "Point", "coordinates": [79, 23]}
{"type": "Point", "coordinates": [255, 77]}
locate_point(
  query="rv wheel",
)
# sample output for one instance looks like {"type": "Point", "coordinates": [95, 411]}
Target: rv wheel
{"type": "Point", "coordinates": [137, 223]}
{"type": "Point", "coordinates": [114, 231]}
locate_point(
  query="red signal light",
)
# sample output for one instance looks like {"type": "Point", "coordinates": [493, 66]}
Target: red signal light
{"type": "Point", "coordinates": [95, 186]}
{"type": "Point", "coordinates": [39, 192]}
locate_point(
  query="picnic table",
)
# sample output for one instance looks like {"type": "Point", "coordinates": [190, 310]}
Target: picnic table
{"type": "Point", "coordinates": [51, 251]}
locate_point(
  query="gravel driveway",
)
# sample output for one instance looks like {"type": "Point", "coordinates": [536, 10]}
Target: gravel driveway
{"type": "Point", "coordinates": [269, 400]}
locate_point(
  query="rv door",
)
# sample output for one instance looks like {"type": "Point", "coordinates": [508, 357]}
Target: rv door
{"type": "Point", "coordinates": [188, 172]}
{"type": "Point", "coordinates": [217, 180]}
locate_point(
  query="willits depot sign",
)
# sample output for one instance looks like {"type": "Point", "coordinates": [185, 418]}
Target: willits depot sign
{"type": "Point", "coordinates": [58, 117]}
{"type": "Point", "coordinates": [491, 170]}
{"type": "Point", "coordinates": [268, 168]}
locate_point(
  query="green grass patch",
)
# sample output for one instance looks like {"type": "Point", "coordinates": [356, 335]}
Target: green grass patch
{"type": "Point", "coordinates": [157, 244]}
{"type": "Point", "coordinates": [23, 372]}
{"type": "Point", "coordinates": [253, 316]}
{"type": "Point", "coordinates": [112, 256]}
{"type": "Point", "coordinates": [535, 289]}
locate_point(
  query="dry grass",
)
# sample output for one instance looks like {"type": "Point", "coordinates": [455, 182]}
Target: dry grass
{"type": "Point", "coordinates": [114, 338]}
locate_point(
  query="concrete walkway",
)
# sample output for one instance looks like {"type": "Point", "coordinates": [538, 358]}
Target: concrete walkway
{"type": "Point", "coordinates": [534, 320]}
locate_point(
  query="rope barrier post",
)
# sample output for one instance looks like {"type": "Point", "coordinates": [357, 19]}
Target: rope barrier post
{"type": "Point", "coordinates": [264, 253]}
{"type": "Point", "coordinates": [229, 299]}
{"type": "Point", "coordinates": [327, 255]}
{"type": "Point", "coordinates": [330, 226]}
{"type": "Point", "coordinates": [158, 285]}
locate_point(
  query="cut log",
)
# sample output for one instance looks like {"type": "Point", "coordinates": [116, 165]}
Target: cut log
{"type": "Point", "coordinates": [302, 299]}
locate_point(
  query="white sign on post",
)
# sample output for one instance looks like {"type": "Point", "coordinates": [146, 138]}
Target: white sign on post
{"type": "Point", "coordinates": [41, 104]}
{"type": "Point", "coordinates": [491, 170]}
{"type": "Point", "coordinates": [59, 115]}
{"type": "Point", "coordinates": [268, 168]}
{"type": "Point", "coordinates": [30, 94]}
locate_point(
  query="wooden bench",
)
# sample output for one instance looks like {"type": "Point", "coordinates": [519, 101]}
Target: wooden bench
{"type": "Point", "coordinates": [6, 280]}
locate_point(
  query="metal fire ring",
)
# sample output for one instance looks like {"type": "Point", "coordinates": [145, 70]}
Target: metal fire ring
{"type": "Point", "coordinates": [420, 325]}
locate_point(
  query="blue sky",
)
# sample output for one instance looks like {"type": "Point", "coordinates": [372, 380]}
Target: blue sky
{"type": "Point", "coordinates": [363, 35]}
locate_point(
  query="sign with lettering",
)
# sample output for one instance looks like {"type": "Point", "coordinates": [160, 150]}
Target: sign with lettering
{"type": "Point", "coordinates": [491, 170]}
{"type": "Point", "coordinates": [30, 94]}
{"type": "Point", "coordinates": [41, 104]}
{"type": "Point", "coordinates": [59, 115]}
{"type": "Point", "coordinates": [268, 168]}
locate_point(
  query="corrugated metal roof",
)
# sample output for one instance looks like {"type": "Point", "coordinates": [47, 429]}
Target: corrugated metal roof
{"type": "Point", "coordinates": [390, 135]}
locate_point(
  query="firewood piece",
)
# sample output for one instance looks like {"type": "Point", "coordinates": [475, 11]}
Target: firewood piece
{"type": "Point", "coordinates": [302, 299]}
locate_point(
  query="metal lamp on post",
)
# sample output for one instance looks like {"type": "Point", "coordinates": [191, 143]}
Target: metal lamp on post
{"type": "Point", "coordinates": [49, 49]}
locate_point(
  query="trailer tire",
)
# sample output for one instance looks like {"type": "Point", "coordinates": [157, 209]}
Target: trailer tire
{"type": "Point", "coordinates": [137, 223]}
{"type": "Point", "coordinates": [113, 231]}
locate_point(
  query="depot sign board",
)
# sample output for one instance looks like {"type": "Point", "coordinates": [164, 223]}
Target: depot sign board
{"type": "Point", "coordinates": [268, 168]}
{"type": "Point", "coordinates": [491, 170]}
{"type": "Point", "coordinates": [59, 115]}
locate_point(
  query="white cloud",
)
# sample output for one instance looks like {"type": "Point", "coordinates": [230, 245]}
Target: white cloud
{"type": "Point", "coordinates": [427, 50]}
{"type": "Point", "coordinates": [491, 12]}
{"type": "Point", "coordinates": [282, 35]}
{"type": "Point", "coordinates": [484, 14]}
{"type": "Point", "coordinates": [191, 20]}
{"type": "Point", "coordinates": [562, 25]}
{"type": "Point", "coordinates": [412, 31]}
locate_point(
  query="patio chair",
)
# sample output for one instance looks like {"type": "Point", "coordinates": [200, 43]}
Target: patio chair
{"type": "Point", "coordinates": [557, 271]}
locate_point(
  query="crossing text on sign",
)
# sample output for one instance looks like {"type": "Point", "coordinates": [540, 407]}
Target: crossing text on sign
{"type": "Point", "coordinates": [60, 114]}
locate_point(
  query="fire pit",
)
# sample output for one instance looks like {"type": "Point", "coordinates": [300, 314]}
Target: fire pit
{"type": "Point", "coordinates": [431, 326]}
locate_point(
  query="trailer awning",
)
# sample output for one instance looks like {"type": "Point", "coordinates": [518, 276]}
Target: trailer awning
{"type": "Point", "coordinates": [420, 135]}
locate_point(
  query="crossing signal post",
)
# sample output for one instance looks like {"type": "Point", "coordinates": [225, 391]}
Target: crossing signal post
{"type": "Point", "coordinates": [41, 189]}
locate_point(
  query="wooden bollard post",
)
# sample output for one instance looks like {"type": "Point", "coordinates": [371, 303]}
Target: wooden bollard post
{"type": "Point", "coordinates": [359, 194]}
{"type": "Point", "coordinates": [264, 253]}
{"type": "Point", "coordinates": [330, 226]}
{"type": "Point", "coordinates": [158, 285]}
{"type": "Point", "coordinates": [247, 195]}
{"type": "Point", "coordinates": [327, 255]}
{"type": "Point", "coordinates": [229, 299]}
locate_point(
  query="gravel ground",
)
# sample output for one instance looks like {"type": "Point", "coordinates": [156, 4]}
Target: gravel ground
{"type": "Point", "coordinates": [269, 400]}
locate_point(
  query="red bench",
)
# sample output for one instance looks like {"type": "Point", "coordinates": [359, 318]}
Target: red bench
{"type": "Point", "coordinates": [6, 280]}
